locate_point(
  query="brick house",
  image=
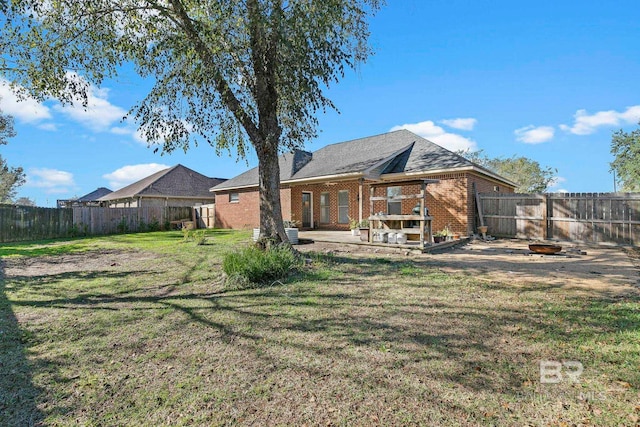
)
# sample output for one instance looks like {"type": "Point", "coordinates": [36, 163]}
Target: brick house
{"type": "Point", "coordinates": [323, 189]}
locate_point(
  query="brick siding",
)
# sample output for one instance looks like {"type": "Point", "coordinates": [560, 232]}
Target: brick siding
{"type": "Point", "coordinates": [245, 213]}
{"type": "Point", "coordinates": [450, 202]}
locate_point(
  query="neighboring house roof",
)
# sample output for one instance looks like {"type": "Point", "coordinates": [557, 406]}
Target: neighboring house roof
{"type": "Point", "coordinates": [94, 195]}
{"type": "Point", "coordinates": [177, 182]}
{"type": "Point", "coordinates": [400, 152]}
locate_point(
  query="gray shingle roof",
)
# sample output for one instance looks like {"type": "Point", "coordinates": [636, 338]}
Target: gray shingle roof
{"type": "Point", "coordinates": [177, 181]}
{"type": "Point", "coordinates": [94, 195]}
{"type": "Point", "coordinates": [393, 152]}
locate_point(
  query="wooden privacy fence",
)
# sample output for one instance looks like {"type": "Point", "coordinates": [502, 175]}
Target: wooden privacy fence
{"type": "Point", "coordinates": [581, 217]}
{"type": "Point", "coordinates": [21, 223]}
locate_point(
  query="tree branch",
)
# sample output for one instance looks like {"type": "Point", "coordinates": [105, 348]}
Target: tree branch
{"type": "Point", "coordinates": [221, 84]}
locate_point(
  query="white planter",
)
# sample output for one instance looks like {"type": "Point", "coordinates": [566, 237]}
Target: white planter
{"type": "Point", "coordinates": [355, 232]}
{"type": "Point", "coordinates": [292, 235]}
{"type": "Point", "coordinates": [380, 237]}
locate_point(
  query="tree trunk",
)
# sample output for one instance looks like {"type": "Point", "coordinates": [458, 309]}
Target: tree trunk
{"type": "Point", "coordinates": [271, 224]}
{"type": "Point", "coordinates": [264, 55]}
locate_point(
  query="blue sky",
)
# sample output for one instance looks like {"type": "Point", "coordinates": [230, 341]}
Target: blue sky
{"type": "Point", "coordinates": [549, 80]}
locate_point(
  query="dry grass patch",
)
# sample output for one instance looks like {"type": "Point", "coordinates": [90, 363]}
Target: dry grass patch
{"type": "Point", "coordinates": [156, 339]}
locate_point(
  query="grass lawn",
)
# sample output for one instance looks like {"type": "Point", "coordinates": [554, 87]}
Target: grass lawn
{"type": "Point", "coordinates": [140, 330]}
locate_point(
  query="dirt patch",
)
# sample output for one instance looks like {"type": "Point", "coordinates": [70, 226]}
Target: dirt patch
{"type": "Point", "coordinates": [588, 268]}
{"type": "Point", "coordinates": [100, 260]}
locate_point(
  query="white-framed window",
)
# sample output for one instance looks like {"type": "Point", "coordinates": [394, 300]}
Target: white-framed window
{"type": "Point", "coordinates": [394, 207]}
{"type": "Point", "coordinates": [324, 208]}
{"type": "Point", "coordinates": [343, 206]}
{"type": "Point", "coordinates": [234, 197]}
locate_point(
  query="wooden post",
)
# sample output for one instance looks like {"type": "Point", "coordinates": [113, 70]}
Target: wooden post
{"type": "Point", "coordinates": [478, 204]}
{"type": "Point", "coordinates": [423, 220]}
{"type": "Point", "coordinates": [360, 201]}
{"type": "Point", "coordinates": [371, 194]}
{"type": "Point", "coordinates": [545, 215]}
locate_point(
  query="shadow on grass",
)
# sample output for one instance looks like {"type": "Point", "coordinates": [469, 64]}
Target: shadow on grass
{"type": "Point", "coordinates": [18, 395]}
{"type": "Point", "coordinates": [266, 312]}
{"type": "Point", "coordinates": [352, 321]}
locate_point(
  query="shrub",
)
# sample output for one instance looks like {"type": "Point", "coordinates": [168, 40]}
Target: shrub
{"type": "Point", "coordinates": [251, 265]}
{"type": "Point", "coordinates": [200, 237]}
{"type": "Point", "coordinates": [154, 225]}
{"type": "Point", "coordinates": [123, 226]}
{"type": "Point", "coordinates": [186, 234]}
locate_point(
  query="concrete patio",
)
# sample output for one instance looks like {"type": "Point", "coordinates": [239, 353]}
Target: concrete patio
{"type": "Point", "coordinates": [345, 237]}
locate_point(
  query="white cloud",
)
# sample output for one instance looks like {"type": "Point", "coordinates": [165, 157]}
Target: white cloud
{"type": "Point", "coordinates": [434, 133]}
{"type": "Point", "coordinates": [139, 136]}
{"type": "Point", "coordinates": [99, 114]}
{"type": "Point", "coordinates": [53, 181]}
{"type": "Point", "coordinates": [27, 110]}
{"type": "Point", "coordinates": [131, 173]}
{"type": "Point", "coordinates": [556, 185]}
{"type": "Point", "coordinates": [163, 131]}
{"type": "Point", "coordinates": [557, 181]}
{"type": "Point", "coordinates": [121, 131]}
{"type": "Point", "coordinates": [460, 123]}
{"type": "Point", "coordinates": [48, 126]}
{"type": "Point", "coordinates": [586, 124]}
{"type": "Point", "coordinates": [534, 134]}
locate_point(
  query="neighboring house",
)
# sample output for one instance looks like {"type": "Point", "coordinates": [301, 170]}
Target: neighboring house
{"type": "Point", "coordinates": [90, 199]}
{"type": "Point", "coordinates": [323, 189]}
{"type": "Point", "coordinates": [176, 186]}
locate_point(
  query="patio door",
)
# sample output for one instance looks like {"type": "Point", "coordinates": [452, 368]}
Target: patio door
{"type": "Point", "coordinates": [307, 211]}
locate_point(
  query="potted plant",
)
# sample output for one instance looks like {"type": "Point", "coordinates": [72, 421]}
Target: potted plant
{"type": "Point", "coordinates": [363, 227]}
{"type": "Point", "coordinates": [442, 235]}
{"type": "Point", "coordinates": [353, 226]}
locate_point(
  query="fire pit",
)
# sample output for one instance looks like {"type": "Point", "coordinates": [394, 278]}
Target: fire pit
{"type": "Point", "coordinates": [545, 248]}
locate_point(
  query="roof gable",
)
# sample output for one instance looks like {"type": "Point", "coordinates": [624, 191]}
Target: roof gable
{"type": "Point", "coordinates": [395, 152]}
{"type": "Point", "coordinates": [94, 195]}
{"type": "Point", "coordinates": [177, 181]}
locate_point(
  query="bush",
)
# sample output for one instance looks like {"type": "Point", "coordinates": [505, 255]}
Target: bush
{"type": "Point", "coordinates": [154, 225]}
{"type": "Point", "coordinates": [200, 237]}
{"type": "Point", "coordinates": [123, 226]}
{"type": "Point", "coordinates": [251, 265]}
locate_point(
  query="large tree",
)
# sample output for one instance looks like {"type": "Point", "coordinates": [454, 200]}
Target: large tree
{"type": "Point", "coordinates": [625, 146]}
{"type": "Point", "coordinates": [226, 71]}
{"type": "Point", "coordinates": [530, 176]}
{"type": "Point", "coordinates": [10, 178]}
